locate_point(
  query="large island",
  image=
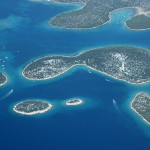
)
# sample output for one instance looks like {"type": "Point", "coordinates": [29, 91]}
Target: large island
{"type": "Point", "coordinates": [32, 107]}
{"type": "Point", "coordinates": [97, 12]}
{"type": "Point", "coordinates": [3, 79]}
{"type": "Point", "coordinates": [130, 64]}
{"type": "Point", "coordinates": [141, 105]}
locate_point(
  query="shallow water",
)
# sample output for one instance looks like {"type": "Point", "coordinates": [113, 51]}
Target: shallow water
{"type": "Point", "coordinates": [93, 125]}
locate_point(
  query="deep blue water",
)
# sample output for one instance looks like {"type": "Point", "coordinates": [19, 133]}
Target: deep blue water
{"type": "Point", "coordinates": [25, 35]}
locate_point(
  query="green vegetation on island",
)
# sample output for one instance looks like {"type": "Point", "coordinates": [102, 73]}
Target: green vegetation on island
{"type": "Point", "coordinates": [74, 102]}
{"type": "Point", "coordinates": [95, 13]}
{"type": "Point", "coordinates": [139, 22]}
{"type": "Point", "coordinates": [126, 63]}
{"type": "Point", "coordinates": [48, 67]}
{"type": "Point", "coordinates": [32, 107]}
{"type": "Point", "coordinates": [141, 105]}
{"type": "Point", "coordinates": [3, 79]}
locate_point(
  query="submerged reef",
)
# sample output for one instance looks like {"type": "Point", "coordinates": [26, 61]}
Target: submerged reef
{"type": "Point", "coordinates": [141, 105]}
{"type": "Point", "coordinates": [32, 107]}
{"type": "Point", "coordinates": [95, 13]}
{"type": "Point", "coordinates": [130, 64]}
{"type": "Point", "coordinates": [3, 79]}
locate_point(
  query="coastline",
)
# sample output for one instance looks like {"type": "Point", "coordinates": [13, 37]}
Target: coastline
{"type": "Point", "coordinates": [66, 3]}
{"type": "Point", "coordinates": [117, 78]}
{"type": "Point", "coordinates": [91, 69]}
{"type": "Point", "coordinates": [87, 103]}
{"type": "Point", "coordinates": [5, 80]}
{"type": "Point", "coordinates": [94, 27]}
{"type": "Point", "coordinates": [82, 64]}
{"type": "Point", "coordinates": [135, 29]}
{"type": "Point", "coordinates": [34, 112]}
{"type": "Point", "coordinates": [137, 112]}
{"type": "Point", "coordinates": [79, 102]}
{"type": "Point", "coordinates": [50, 77]}
{"type": "Point", "coordinates": [139, 12]}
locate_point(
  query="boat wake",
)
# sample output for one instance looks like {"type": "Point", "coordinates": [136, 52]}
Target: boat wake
{"type": "Point", "coordinates": [6, 95]}
{"type": "Point", "coordinates": [115, 105]}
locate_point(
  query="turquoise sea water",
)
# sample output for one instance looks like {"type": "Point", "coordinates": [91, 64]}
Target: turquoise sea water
{"type": "Point", "coordinates": [24, 36]}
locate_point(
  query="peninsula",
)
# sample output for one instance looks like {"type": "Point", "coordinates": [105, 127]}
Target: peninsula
{"type": "Point", "coordinates": [141, 105]}
{"type": "Point", "coordinates": [139, 22]}
{"type": "Point", "coordinates": [48, 67]}
{"type": "Point", "coordinates": [3, 79]}
{"type": "Point", "coordinates": [32, 107]}
{"type": "Point", "coordinates": [130, 64]}
{"type": "Point", "coordinates": [96, 13]}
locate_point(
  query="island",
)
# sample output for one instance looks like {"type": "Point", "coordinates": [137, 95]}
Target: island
{"type": "Point", "coordinates": [96, 13]}
{"type": "Point", "coordinates": [32, 107]}
{"type": "Point", "coordinates": [74, 102]}
{"type": "Point", "coordinates": [3, 79]}
{"type": "Point", "coordinates": [139, 22]}
{"type": "Point", "coordinates": [141, 105]}
{"type": "Point", "coordinates": [126, 63]}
